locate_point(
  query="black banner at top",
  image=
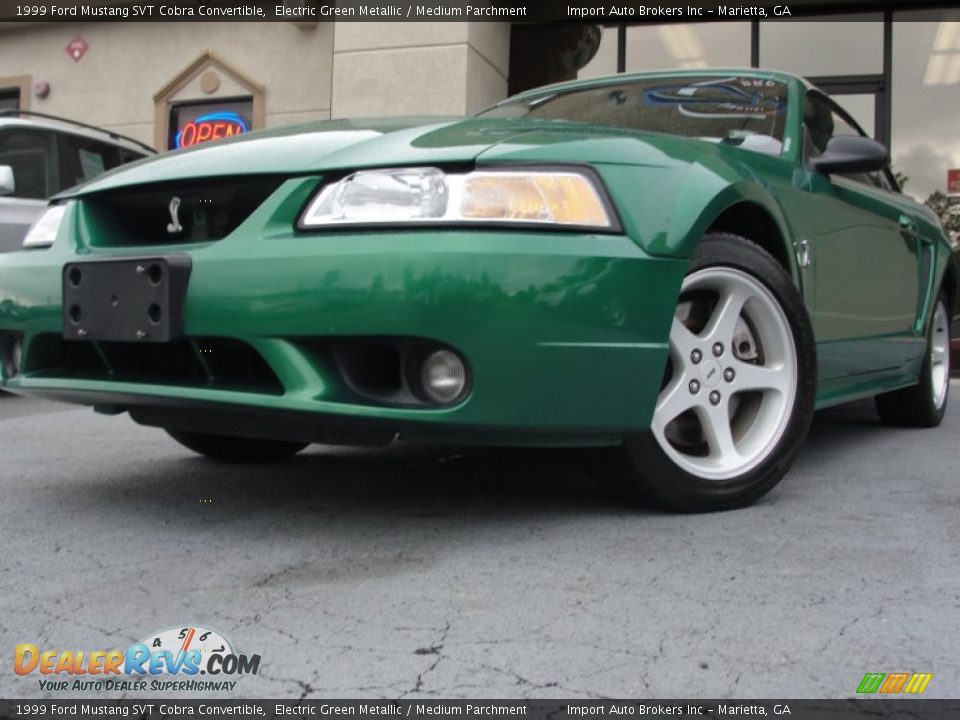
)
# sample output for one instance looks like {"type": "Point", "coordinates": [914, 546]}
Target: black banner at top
{"type": "Point", "coordinates": [157, 709]}
{"type": "Point", "coordinates": [305, 11]}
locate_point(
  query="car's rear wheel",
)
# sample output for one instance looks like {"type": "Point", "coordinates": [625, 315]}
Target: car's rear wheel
{"type": "Point", "coordinates": [738, 392]}
{"type": "Point", "coordinates": [227, 448]}
{"type": "Point", "coordinates": [924, 404]}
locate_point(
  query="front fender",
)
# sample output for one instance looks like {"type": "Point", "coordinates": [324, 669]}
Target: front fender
{"type": "Point", "coordinates": [668, 210]}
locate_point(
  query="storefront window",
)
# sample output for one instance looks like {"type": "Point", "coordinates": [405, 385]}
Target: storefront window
{"type": "Point", "coordinates": [862, 108]}
{"type": "Point", "coordinates": [842, 45]}
{"type": "Point", "coordinates": [925, 141]}
{"type": "Point", "coordinates": [688, 46]}
{"type": "Point", "coordinates": [673, 47]}
{"type": "Point", "coordinates": [195, 123]}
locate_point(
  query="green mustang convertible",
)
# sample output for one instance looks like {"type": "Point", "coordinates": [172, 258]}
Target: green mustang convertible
{"type": "Point", "coordinates": [672, 269]}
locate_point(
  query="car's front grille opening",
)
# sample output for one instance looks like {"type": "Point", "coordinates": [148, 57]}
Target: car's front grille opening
{"type": "Point", "coordinates": [218, 363]}
{"type": "Point", "coordinates": [174, 213]}
{"type": "Point", "coordinates": [236, 362]}
{"type": "Point", "coordinates": [139, 362]}
{"type": "Point", "coordinates": [49, 352]}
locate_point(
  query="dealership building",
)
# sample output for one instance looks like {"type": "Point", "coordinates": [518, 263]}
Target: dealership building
{"type": "Point", "coordinates": [897, 71]}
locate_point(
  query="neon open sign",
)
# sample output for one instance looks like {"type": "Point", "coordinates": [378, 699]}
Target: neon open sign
{"type": "Point", "coordinates": [213, 126]}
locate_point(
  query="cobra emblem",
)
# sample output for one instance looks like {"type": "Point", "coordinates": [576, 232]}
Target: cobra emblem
{"type": "Point", "coordinates": [174, 226]}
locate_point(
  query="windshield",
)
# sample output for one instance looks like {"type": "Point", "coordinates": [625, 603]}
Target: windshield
{"type": "Point", "coordinates": [746, 111]}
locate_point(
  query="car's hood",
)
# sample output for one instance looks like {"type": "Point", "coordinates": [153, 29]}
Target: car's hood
{"type": "Point", "coordinates": [346, 144]}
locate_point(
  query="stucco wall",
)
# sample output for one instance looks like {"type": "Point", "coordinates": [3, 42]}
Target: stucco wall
{"type": "Point", "coordinates": [418, 68]}
{"type": "Point", "coordinates": [114, 84]}
{"type": "Point", "coordinates": [326, 69]}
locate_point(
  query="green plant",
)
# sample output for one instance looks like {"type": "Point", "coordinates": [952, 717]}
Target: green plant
{"type": "Point", "coordinates": [948, 213]}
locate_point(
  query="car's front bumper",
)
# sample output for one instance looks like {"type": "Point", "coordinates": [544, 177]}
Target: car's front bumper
{"type": "Point", "coordinates": [565, 334]}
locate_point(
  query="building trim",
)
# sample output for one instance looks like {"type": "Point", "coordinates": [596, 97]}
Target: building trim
{"type": "Point", "coordinates": [205, 61]}
{"type": "Point", "coordinates": [21, 83]}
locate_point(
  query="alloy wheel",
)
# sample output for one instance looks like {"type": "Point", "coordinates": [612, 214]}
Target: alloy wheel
{"type": "Point", "coordinates": [732, 377]}
{"type": "Point", "coordinates": [940, 355]}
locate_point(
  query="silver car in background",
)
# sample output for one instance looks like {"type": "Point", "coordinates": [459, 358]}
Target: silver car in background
{"type": "Point", "coordinates": [40, 155]}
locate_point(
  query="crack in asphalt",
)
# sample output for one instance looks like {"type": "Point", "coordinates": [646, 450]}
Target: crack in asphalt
{"type": "Point", "coordinates": [433, 648]}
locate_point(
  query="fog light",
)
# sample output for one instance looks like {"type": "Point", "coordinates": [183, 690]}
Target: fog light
{"type": "Point", "coordinates": [443, 376]}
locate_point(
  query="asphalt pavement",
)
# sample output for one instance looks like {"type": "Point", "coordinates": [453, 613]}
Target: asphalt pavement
{"type": "Point", "coordinates": [425, 572]}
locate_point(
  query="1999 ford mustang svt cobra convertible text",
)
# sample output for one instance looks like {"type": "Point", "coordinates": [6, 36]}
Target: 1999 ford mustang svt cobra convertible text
{"type": "Point", "coordinates": [674, 268]}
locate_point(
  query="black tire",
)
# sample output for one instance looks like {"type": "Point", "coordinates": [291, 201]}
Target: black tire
{"type": "Point", "coordinates": [641, 470]}
{"type": "Point", "coordinates": [915, 406]}
{"type": "Point", "coordinates": [230, 449]}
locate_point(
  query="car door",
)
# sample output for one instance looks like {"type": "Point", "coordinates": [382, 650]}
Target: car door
{"type": "Point", "coordinates": [33, 157]}
{"type": "Point", "coordinates": [864, 251]}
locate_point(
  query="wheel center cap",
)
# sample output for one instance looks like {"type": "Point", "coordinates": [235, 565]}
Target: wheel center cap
{"type": "Point", "coordinates": [710, 373]}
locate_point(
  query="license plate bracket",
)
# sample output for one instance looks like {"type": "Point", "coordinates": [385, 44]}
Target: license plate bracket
{"type": "Point", "coordinates": [125, 299]}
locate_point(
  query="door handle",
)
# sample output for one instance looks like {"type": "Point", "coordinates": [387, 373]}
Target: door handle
{"type": "Point", "coordinates": [908, 226]}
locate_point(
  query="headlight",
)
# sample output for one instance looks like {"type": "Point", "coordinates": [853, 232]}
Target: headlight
{"type": "Point", "coordinates": [44, 231]}
{"type": "Point", "coordinates": [428, 195]}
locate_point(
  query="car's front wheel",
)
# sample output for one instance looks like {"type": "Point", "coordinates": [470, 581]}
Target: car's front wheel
{"type": "Point", "coordinates": [227, 448]}
{"type": "Point", "coordinates": [738, 393]}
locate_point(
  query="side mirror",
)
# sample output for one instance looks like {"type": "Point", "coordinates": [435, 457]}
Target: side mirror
{"type": "Point", "coordinates": [7, 183]}
{"type": "Point", "coordinates": [851, 154]}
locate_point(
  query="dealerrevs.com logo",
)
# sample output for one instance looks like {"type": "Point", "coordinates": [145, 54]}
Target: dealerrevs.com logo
{"type": "Point", "coordinates": [178, 659]}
